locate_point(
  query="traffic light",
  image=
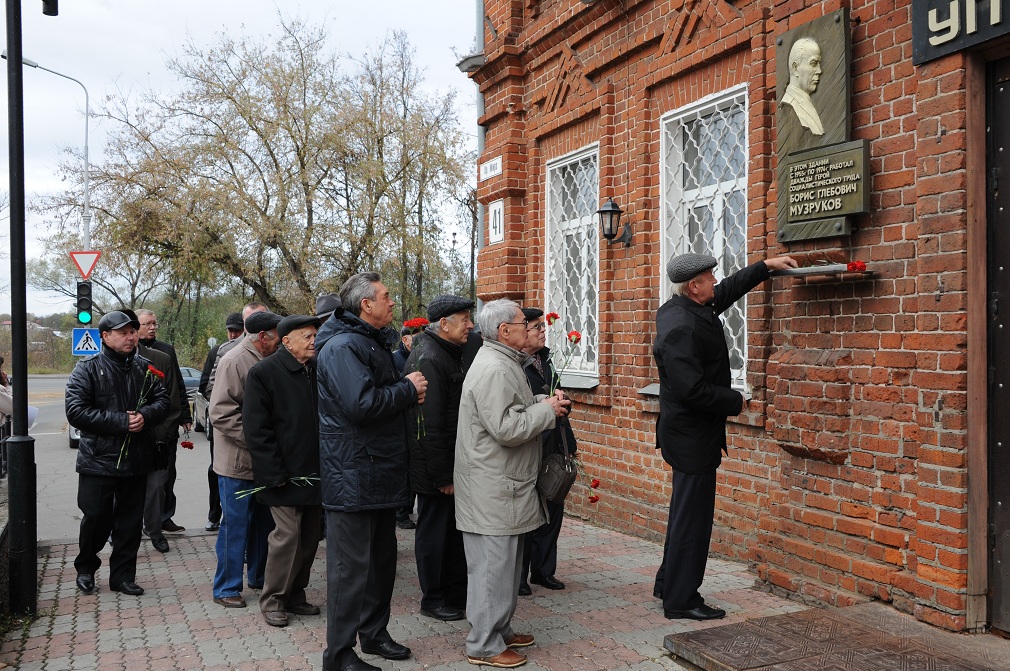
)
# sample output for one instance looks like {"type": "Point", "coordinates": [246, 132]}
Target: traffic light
{"type": "Point", "coordinates": [84, 303]}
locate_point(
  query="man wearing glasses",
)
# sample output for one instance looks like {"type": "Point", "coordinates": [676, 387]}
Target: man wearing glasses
{"type": "Point", "coordinates": [494, 480]}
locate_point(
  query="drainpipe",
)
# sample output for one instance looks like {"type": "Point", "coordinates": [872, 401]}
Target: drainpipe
{"type": "Point", "coordinates": [481, 135]}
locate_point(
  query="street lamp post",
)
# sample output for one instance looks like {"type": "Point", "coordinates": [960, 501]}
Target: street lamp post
{"type": "Point", "coordinates": [86, 217]}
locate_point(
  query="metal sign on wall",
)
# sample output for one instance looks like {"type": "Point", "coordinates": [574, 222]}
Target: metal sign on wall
{"type": "Point", "coordinates": [941, 27]}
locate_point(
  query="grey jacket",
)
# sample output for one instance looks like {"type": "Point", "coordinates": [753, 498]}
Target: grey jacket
{"type": "Point", "coordinates": [498, 446]}
{"type": "Point", "coordinates": [231, 455]}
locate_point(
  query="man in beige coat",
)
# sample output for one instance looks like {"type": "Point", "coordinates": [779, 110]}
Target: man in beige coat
{"type": "Point", "coordinates": [245, 524]}
{"type": "Point", "coordinates": [495, 474]}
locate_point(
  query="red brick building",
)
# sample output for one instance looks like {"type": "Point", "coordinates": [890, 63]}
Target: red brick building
{"type": "Point", "coordinates": [870, 463]}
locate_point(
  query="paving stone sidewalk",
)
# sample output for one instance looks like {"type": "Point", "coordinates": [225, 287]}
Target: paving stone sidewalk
{"type": "Point", "coordinates": [607, 617]}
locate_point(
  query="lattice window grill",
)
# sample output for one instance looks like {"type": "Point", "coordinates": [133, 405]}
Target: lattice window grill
{"type": "Point", "coordinates": [704, 198]}
{"type": "Point", "coordinates": [572, 259]}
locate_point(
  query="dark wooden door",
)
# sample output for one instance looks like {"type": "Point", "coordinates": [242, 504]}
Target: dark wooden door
{"type": "Point", "coordinates": [998, 213]}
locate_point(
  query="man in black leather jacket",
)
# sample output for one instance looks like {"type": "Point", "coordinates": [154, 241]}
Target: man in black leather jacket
{"type": "Point", "coordinates": [116, 400]}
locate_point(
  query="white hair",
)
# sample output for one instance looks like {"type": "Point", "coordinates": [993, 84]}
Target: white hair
{"type": "Point", "coordinates": [494, 315]}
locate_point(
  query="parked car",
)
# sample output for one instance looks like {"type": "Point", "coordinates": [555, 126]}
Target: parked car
{"type": "Point", "coordinates": [192, 378]}
{"type": "Point", "coordinates": [74, 436]}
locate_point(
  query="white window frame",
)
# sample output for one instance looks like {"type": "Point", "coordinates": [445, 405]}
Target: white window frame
{"type": "Point", "coordinates": [580, 372]}
{"type": "Point", "coordinates": [672, 224]}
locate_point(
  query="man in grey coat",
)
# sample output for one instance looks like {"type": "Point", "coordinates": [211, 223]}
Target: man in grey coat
{"type": "Point", "coordinates": [494, 478]}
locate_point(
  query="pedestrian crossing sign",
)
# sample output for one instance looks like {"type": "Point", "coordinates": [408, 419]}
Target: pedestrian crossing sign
{"type": "Point", "coordinates": [86, 342]}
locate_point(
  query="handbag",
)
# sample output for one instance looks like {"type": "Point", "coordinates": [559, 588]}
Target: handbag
{"type": "Point", "coordinates": [557, 474]}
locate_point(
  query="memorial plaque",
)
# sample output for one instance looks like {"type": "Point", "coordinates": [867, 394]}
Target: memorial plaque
{"type": "Point", "coordinates": [812, 67]}
{"type": "Point", "coordinates": [822, 187]}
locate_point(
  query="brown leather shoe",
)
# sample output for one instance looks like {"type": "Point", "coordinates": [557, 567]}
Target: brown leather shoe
{"type": "Point", "coordinates": [230, 601]}
{"type": "Point", "coordinates": [276, 618]}
{"type": "Point", "coordinates": [519, 640]}
{"type": "Point", "coordinates": [304, 608]}
{"type": "Point", "coordinates": [505, 660]}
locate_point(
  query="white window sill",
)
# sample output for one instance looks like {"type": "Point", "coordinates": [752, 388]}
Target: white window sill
{"type": "Point", "coordinates": [570, 381]}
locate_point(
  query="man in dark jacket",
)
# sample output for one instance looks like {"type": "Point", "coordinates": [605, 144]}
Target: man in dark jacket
{"type": "Point", "coordinates": [115, 400]}
{"type": "Point", "coordinates": [281, 425]}
{"type": "Point", "coordinates": [148, 334]}
{"type": "Point", "coordinates": [540, 553]}
{"type": "Point", "coordinates": [363, 402]}
{"type": "Point", "coordinates": [695, 398]}
{"type": "Point", "coordinates": [437, 352]}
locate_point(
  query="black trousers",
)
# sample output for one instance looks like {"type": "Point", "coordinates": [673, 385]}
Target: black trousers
{"type": "Point", "coordinates": [540, 554]}
{"type": "Point", "coordinates": [110, 505]}
{"type": "Point", "coordinates": [168, 508]}
{"type": "Point", "coordinates": [214, 500]}
{"type": "Point", "coordinates": [360, 572]}
{"type": "Point", "coordinates": [438, 549]}
{"type": "Point", "coordinates": [688, 535]}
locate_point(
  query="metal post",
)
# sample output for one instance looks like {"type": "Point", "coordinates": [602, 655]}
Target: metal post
{"type": "Point", "coordinates": [23, 524]}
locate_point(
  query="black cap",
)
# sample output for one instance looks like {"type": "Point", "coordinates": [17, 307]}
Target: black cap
{"type": "Point", "coordinates": [295, 322]}
{"type": "Point", "coordinates": [443, 306]}
{"type": "Point", "coordinates": [115, 320]}
{"type": "Point", "coordinates": [261, 321]}
{"type": "Point", "coordinates": [327, 304]}
{"type": "Point", "coordinates": [532, 314]}
{"type": "Point", "coordinates": [406, 331]}
{"type": "Point", "coordinates": [684, 267]}
{"type": "Point", "coordinates": [234, 322]}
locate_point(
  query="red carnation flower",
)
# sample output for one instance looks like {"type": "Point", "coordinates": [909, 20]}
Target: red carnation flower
{"type": "Point", "coordinates": [594, 498]}
{"type": "Point", "coordinates": [416, 323]}
{"type": "Point", "coordinates": [154, 371]}
{"type": "Point", "coordinates": [595, 483]}
{"type": "Point", "coordinates": [574, 337]}
{"type": "Point", "coordinates": [551, 317]}
{"type": "Point", "coordinates": [187, 444]}
{"type": "Point", "coordinates": [857, 266]}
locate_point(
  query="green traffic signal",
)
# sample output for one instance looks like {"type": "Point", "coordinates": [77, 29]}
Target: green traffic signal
{"type": "Point", "coordinates": [84, 304]}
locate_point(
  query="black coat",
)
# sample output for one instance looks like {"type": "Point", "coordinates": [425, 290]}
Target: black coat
{"type": "Point", "coordinates": [185, 416]}
{"type": "Point", "coordinates": [432, 434]}
{"type": "Point", "coordinates": [280, 421]}
{"type": "Point", "coordinates": [695, 393]}
{"type": "Point", "coordinates": [101, 390]}
{"type": "Point", "coordinates": [363, 401]}
{"type": "Point", "coordinates": [551, 441]}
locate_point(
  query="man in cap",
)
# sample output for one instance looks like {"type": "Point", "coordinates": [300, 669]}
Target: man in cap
{"type": "Point", "coordinates": [695, 398]}
{"type": "Point", "coordinates": [245, 524]}
{"type": "Point", "coordinates": [148, 337]}
{"type": "Point", "coordinates": [437, 352]}
{"type": "Point", "coordinates": [363, 402]}
{"type": "Point", "coordinates": [281, 424]}
{"type": "Point", "coordinates": [326, 305]}
{"type": "Point", "coordinates": [235, 327]}
{"type": "Point", "coordinates": [115, 400]}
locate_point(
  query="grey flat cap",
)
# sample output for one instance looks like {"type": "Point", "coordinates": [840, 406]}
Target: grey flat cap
{"type": "Point", "coordinates": [443, 306]}
{"type": "Point", "coordinates": [295, 322]}
{"type": "Point", "coordinates": [684, 267]}
{"type": "Point", "coordinates": [326, 304]}
{"type": "Point", "coordinates": [234, 322]}
{"type": "Point", "coordinates": [258, 322]}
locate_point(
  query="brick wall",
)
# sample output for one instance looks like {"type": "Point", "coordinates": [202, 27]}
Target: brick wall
{"type": "Point", "coordinates": [846, 478]}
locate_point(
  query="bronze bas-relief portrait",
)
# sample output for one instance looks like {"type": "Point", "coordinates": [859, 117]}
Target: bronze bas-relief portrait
{"type": "Point", "coordinates": [804, 75]}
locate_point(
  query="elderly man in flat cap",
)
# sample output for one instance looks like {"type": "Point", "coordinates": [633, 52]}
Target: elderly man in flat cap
{"type": "Point", "coordinates": [695, 398]}
{"type": "Point", "coordinates": [116, 401]}
{"type": "Point", "coordinates": [245, 524]}
{"type": "Point", "coordinates": [281, 424]}
{"type": "Point", "coordinates": [438, 544]}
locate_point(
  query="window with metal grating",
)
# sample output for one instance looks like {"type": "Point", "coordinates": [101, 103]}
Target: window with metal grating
{"type": "Point", "coordinates": [703, 185]}
{"type": "Point", "coordinates": [572, 259]}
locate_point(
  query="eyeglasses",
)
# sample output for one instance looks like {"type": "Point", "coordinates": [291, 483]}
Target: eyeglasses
{"type": "Point", "coordinates": [524, 322]}
{"type": "Point", "coordinates": [538, 327]}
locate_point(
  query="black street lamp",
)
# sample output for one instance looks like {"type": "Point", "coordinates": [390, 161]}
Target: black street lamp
{"type": "Point", "coordinates": [610, 221]}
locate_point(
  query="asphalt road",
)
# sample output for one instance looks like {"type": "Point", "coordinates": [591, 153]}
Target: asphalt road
{"type": "Point", "coordinates": [58, 515]}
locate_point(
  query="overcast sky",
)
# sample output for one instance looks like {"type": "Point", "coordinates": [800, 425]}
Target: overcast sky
{"type": "Point", "coordinates": [112, 45]}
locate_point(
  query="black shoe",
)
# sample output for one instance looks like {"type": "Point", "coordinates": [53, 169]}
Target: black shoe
{"type": "Point", "coordinates": [702, 612]}
{"type": "Point", "coordinates": [406, 524]}
{"type": "Point", "coordinates": [160, 544]}
{"type": "Point", "coordinates": [548, 581]}
{"type": "Point", "coordinates": [387, 649]}
{"type": "Point", "coordinates": [360, 665]}
{"type": "Point", "coordinates": [524, 589]}
{"type": "Point", "coordinates": [130, 588]}
{"type": "Point", "coordinates": [172, 527]}
{"type": "Point", "coordinates": [444, 613]}
{"type": "Point", "coordinates": [656, 593]}
{"type": "Point", "coordinates": [86, 583]}
{"type": "Point", "coordinates": [212, 526]}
